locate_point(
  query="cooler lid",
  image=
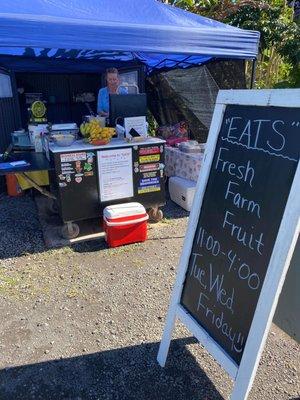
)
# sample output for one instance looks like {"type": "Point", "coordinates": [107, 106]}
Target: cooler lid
{"type": "Point", "coordinates": [37, 128]}
{"type": "Point", "coordinates": [64, 127]}
{"type": "Point", "coordinates": [184, 183]}
{"type": "Point", "coordinates": [123, 210]}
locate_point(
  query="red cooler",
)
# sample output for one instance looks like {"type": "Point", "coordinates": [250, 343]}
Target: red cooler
{"type": "Point", "coordinates": [125, 223]}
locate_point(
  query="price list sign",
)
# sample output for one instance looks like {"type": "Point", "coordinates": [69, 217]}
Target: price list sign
{"type": "Point", "coordinates": [241, 209]}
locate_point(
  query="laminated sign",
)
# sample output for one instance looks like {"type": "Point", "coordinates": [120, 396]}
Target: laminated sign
{"type": "Point", "coordinates": [242, 230]}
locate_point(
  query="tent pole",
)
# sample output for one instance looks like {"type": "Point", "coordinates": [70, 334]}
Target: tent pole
{"type": "Point", "coordinates": [253, 73]}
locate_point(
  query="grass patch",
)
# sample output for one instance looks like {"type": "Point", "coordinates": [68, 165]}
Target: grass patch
{"type": "Point", "coordinates": [8, 283]}
{"type": "Point", "coordinates": [137, 263]}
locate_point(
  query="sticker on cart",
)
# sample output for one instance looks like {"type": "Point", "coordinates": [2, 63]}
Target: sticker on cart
{"type": "Point", "coordinates": [90, 160]}
{"type": "Point", "coordinates": [68, 178]}
{"type": "Point", "coordinates": [161, 149]}
{"type": "Point", "coordinates": [150, 174]}
{"type": "Point", "coordinates": [87, 167]}
{"type": "Point", "coordinates": [78, 166]}
{"type": "Point", "coordinates": [62, 184]}
{"type": "Point", "coordinates": [149, 189]}
{"type": "Point", "coordinates": [89, 173]}
{"type": "Point", "coordinates": [149, 150]}
{"type": "Point", "coordinates": [149, 159]}
{"type": "Point", "coordinates": [67, 171]}
{"type": "Point", "coordinates": [149, 181]}
{"type": "Point", "coordinates": [78, 179]}
{"type": "Point", "coordinates": [79, 174]}
{"type": "Point", "coordinates": [136, 170]}
{"type": "Point", "coordinates": [61, 177]}
{"type": "Point", "coordinates": [69, 157]}
{"type": "Point", "coordinates": [149, 167]}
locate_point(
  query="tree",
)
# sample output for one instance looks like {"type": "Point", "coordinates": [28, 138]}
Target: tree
{"type": "Point", "coordinates": [279, 56]}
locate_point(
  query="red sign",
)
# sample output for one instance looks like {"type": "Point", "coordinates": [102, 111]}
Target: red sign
{"type": "Point", "coordinates": [149, 167]}
{"type": "Point", "coordinates": [149, 150]}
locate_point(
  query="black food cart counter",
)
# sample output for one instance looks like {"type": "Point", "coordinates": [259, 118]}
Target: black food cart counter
{"type": "Point", "coordinates": [86, 178]}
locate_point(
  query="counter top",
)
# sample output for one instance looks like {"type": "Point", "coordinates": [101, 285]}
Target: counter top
{"type": "Point", "coordinates": [79, 145]}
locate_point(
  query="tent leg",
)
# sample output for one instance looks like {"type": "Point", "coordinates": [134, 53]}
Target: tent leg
{"type": "Point", "coordinates": [253, 73]}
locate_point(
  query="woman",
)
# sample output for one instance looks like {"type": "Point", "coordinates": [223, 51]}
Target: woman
{"type": "Point", "coordinates": [113, 82]}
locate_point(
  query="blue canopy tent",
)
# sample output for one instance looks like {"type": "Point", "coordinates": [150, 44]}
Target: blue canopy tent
{"type": "Point", "coordinates": [47, 35]}
{"type": "Point", "coordinates": [87, 36]}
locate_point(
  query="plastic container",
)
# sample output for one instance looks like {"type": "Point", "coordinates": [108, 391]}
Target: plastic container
{"type": "Point", "coordinates": [35, 134]}
{"type": "Point", "coordinates": [20, 138]}
{"type": "Point", "coordinates": [63, 128]}
{"type": "Point", "coordinates": [182, 191]}
{"type": "Point", "coordinates": [102, 120]}
{"type": "Point", "coordinates": [13, 187]}
{"type": "Point", "coordinates": [63, 139]}
{"type": "Point", "coordinates": [124, 224]}
{"type": "Point", "coordinates": [190, 147]}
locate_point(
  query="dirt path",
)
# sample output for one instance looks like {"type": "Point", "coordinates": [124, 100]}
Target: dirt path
{"type": "Point", "coordinates": [85, 322]}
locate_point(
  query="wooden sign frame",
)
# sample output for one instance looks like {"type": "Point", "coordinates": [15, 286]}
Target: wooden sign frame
{"type": "Point", "coordinates": [244, 373]}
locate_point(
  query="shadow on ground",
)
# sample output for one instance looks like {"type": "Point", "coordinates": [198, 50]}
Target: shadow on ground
{"type": "Point", "coordinates": [21, 232]}
{"type": "Point", "coordinates": [126, 373]}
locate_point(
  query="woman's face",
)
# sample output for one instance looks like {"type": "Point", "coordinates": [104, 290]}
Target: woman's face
{"type": "Point", "coordinates": [113, 80]}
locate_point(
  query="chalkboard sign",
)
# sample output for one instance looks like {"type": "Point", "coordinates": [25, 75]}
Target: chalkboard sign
{"type": "Point", "coordinates": [252, 172]}
{"type": "Point", "coordinates": [242, 230]}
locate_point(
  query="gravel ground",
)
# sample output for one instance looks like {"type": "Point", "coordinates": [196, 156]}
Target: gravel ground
{"type": "Point", "coordinates": [85, 322]}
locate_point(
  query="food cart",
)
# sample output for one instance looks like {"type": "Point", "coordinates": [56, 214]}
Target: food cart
{"type": "Point", "coordinates": [87, 178]}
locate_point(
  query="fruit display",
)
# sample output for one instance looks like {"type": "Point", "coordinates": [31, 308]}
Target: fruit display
{"type": "Point", "coordinates": [94, 133]}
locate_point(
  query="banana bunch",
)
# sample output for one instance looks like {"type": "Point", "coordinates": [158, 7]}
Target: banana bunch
{"type": "Point", "coordinates": [89, 128]}
{"type": "Point", "coordinates": [93, 132]}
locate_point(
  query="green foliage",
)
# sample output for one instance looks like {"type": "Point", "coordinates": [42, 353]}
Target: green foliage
{"type": "Point", "coordinates": [280, 36]}
{"type": "Point", "coordinates": [152, 124]}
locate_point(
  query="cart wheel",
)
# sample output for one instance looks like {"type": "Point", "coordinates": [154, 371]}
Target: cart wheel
{"type": "Point", "coordinates": [70, 230]}
{"type": "Point", "coordinates": [53, 207]}
{"type": "Point", "coordinates": [155, 214]}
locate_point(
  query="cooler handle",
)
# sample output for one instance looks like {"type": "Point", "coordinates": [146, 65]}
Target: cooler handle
{"type": "Point", "coordinates": [133, 221]}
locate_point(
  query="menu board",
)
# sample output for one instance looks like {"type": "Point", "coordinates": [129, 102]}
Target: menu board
{"type": "Point", "coordinates": [253, 167]}
{"type": "Point", "coordinates": [115, 174]}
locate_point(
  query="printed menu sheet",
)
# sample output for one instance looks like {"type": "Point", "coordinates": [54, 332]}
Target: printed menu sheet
{"type": "Point", "coordinates": [115, 174]}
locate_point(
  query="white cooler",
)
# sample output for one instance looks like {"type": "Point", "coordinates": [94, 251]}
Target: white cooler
{"type": "Point", "coordinates": [182, 191]}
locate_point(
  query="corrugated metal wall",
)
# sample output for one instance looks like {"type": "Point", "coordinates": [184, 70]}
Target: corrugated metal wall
{"type": "Point", "coordinates": [9, 117]}
{"type": "Point", "coordinates": [10, 120]}
{"type": "Point", "coordinates": [58, 91]}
